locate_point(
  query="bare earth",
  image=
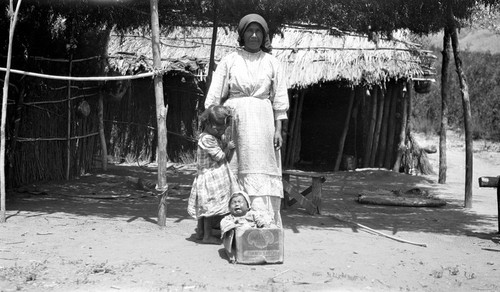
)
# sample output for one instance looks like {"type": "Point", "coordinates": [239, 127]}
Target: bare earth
{"type": "Point", "coordinates": [99, 233]}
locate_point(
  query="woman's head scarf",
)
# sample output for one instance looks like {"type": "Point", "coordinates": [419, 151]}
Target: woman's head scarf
{"type": "Point", "coordinates": [245, 22]}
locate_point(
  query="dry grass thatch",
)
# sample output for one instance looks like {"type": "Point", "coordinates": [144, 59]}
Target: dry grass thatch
{"type": "Point", "coordinates": [308, 55]}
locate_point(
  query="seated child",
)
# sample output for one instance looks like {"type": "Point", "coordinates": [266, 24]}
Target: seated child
{"type": "Point", "coordinates": [241, 216]}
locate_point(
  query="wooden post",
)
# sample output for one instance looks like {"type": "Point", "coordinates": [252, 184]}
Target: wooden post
{"type": "Point", "coordinates": [291, 131]}
{"type": "Point", "coordinates": [445, 94]}
{"type": "Point", "coordinates": [385, 126]}
{"type": "Point", "coordinates": [161, 114]}
{"type": "Point", "coordinates": [360, 99]}
{"type": "Point", "coordinates": [13, 20]}
{"type": "Point", "coordinates": [68, 141]}
{"type": "Point", "coordinates": [104, 149]}
{"type": "Point", "coordinates": [286, 198]}
{"type": "Point", "coordinates": [464, 90]}
{"type": "Point", "coordinates": [284, 127]}
{"type": "Point", "coordinates": [498, 204]}
{"type": "Point", "coordinates": [409, 166]}
{"type": "Point", "coordinates": [391, 131]}
{"type": "Point", "coordinates": [409, 109]}
{"type": "Point", "coordinates": [402, 133]}
{"type": "Point", "coordinates": [316, 192]}
{"type": "Point", "coordinates": [371, 130]}
{"type": "Point", "coordinates": [15, 133]}
{"type": "Point", "coordinates": [378, 125]}
{"type": "Point", "coordinates": [364, 124]}
{"type": "Point", "coordinates": [211, 64]}
{"type": "Point", "coordinates": [344, 132]}
{"type": "Point", "coordinates": [296, 134]}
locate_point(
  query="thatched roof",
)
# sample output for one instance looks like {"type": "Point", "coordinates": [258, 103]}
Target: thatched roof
{"type": "Point", "coordinates": [308, 55]}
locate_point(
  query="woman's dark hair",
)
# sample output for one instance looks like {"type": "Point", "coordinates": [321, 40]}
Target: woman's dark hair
{"type": "Point", "coordinates": [215, 115]}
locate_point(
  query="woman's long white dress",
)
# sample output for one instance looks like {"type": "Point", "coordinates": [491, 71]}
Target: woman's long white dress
{"type": "Point", "coordinates": [253, 87]}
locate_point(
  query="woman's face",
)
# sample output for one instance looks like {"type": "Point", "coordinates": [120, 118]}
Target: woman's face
{"type": "Point", "coordinates": [253, 37]}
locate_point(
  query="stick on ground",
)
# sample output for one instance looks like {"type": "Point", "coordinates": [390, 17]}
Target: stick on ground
{"type": "Point", "coordinates": [379, 233]}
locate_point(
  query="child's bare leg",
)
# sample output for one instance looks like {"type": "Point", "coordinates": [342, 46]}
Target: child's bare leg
{"type": "Point", "coordinates": [207, 232]}
{"type": "Point", "coordinates": [200, 229]}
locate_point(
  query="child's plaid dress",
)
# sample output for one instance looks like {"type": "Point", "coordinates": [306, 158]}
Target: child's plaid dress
{"type": "Point", "coordinates": [212, 186]}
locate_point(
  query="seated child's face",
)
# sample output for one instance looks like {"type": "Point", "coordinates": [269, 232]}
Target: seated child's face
{"type": "Point", "coordinates": [238, 206]}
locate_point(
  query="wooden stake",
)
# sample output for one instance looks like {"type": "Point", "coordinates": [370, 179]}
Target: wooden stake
{"type": "Point", "coordinates": [385, 126]}
{"type": "Point", "coordinates": [402, 134]}
{"type": "Point", "coordinates": [211, 64]}
{"type": "Point", "coordinates": [409, 109]}
{"type": "Point", "coordinates": [296, 138]}
{"type": "Point", "coordinates": [15, 133]}
{"type": "Point", "coordinates": [445, 96]}
{"type": "Point", "coordinates": [376, 134]}
{"type": "Point", "coordinates": [161, 112]}
{"type": "Point", "coordinates": [391, 131]}
{"type": "Point", "coordinates": [162, 209]}
{"type": "Point", "coordinates": [344, 132]}
{"type": "Point", "coordinates": [464, 90]}
{"type": "Point", "coordinates": [13, 20]}
{"type": "Point", "coordinates": [371, 130]}
{"type": "Point", "coordinates": [360, 99]}
{"type": "Point", "coordinates": [68, 133]}
{"type": "Point", "coordinates": [102, 136]}
{"type": "Point", "coordinates": [289, 150]}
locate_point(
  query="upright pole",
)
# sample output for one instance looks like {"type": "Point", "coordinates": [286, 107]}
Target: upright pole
{"type": "Point", "coordinates": [402, 134]}
{"type": "Point", "coordinates": [211, 65]}
{"type": "Point", "coordinates": [102, 136]}
{"type": "Point", "coordinates": [464, 90]}
{"type": "Point", "coordinates": [68, 141]}
{"type": "Point", "coordinates": [498, 203]}
{"type": "Point", "coordinates": [344, 132]}
{"type": "Point", "coordinates": [161, 115]}
{"type": "Point", "coordinates": [445, 94]}
{"type": "Point", "coordinates": [13, 20]}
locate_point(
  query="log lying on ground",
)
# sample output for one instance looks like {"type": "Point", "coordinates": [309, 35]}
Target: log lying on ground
{"type": "Point", "coordinates": [411, 198]}
{"type": "Point", "coordinates": [392, 200]}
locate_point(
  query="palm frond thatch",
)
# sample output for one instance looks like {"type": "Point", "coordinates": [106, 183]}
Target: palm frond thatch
{"type": "Point", "coordinates": [309, 56]}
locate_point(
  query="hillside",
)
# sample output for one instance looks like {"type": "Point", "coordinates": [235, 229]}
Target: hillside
{"type": "Point", "coordinates": [474, 40]}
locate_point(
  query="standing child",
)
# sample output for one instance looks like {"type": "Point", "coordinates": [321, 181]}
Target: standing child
{"type": "Point", "coordinates": [214, 181]}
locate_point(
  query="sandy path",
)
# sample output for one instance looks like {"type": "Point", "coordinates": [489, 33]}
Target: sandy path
{"type": "Point", "coordinates": [61, 242]}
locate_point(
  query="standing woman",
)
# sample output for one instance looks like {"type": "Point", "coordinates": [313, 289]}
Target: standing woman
{"type": "Point", "coordinates": [249, 81]}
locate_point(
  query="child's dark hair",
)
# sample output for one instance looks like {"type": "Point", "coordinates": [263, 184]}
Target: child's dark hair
{"type": "Point", "coordinates": [215, 115]}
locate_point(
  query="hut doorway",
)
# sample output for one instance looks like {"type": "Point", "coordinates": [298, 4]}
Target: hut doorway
{"type": "Point", "coordinates": [323, 115]}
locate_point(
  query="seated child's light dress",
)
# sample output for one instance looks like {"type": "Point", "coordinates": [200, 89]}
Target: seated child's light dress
{"type": "Point", "coordinates": [212, 186]}
{"type": "Point", "coordinates": [246, 218]}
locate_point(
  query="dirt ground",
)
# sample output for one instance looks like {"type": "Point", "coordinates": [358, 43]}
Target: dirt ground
{"type": "Point", "coordinates": [99, 233]}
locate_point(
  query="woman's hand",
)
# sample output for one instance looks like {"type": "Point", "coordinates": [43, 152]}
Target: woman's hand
{"type": "Point", "coordinates": [278, 140]}
{"type": "Point", "coordinates": [231, 145]}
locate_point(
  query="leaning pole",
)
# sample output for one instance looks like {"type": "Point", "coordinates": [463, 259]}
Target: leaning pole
{"type": "Point", "coordinates": [13, 20]}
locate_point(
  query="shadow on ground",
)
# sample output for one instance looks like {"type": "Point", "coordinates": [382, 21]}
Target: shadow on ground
{"type": "Point", "coordinates": [340, 208]}
{"type": "Point", "coordinates": [116, 193]}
